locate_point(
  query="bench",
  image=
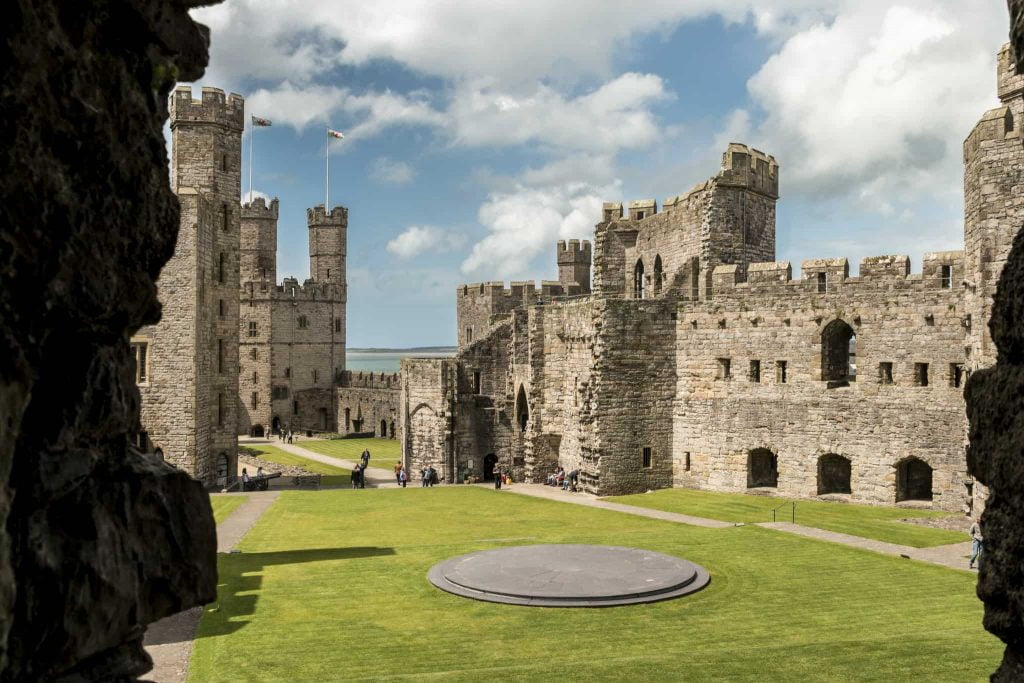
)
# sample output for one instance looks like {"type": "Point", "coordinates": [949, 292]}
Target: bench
{"type": "Point", "coordinates": [311, 480]}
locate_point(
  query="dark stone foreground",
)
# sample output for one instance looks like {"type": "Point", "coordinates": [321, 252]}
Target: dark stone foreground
{"type": "Point", "coordinates": [99, 540]}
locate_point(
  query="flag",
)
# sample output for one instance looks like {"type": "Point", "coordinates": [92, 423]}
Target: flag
{"type": "Point", "coordinates": [257, 121]}
{"type": "Point", "coordinates": [335, 134]}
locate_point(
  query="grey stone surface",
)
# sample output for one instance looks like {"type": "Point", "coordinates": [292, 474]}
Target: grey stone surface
{"type": "Point", "coordinates": [566, 575]}
{"type": "Point", "coordinates": [98, 539]}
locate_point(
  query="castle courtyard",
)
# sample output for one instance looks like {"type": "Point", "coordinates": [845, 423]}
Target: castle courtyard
{"type": "Point", "coordinates": [331, 585]}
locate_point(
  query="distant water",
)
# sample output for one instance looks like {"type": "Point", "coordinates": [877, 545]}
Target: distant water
{"type": "Point", "coordinates": [386, 361]}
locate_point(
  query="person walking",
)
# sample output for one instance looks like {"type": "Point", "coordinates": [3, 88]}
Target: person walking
{"type": "Point", "coordinates": [431, 475]}
{"type": "Point", "coordinates": [355, 477]}
{"type": "Point", "coordinates": [423, 477]}
{"type": "Point", "coordinates": [976, 543]}
{"type": "Point", "coordinates": [398, 472]}
{"type": "Point", "coordinates": [362, 476]}
{"type": "Point", "coordinates": [402, 477]}
{"type": "Point", "coordinates": [365, 457]}
{"type": "Point", "coordinates": [245, 479]}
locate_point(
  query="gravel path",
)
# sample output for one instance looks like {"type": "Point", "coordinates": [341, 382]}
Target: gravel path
{"type": "Point", "coordinates": [169, 641]}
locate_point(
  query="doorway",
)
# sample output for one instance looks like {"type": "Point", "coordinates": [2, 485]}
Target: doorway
{"type": "Point", "coordinates": [490, 461]}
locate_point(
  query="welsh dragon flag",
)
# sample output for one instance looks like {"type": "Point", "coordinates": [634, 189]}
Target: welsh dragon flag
{"type": "Point", "coordinates": [335, 134]}
{"type": "Point", "coordinates": [257, 121]}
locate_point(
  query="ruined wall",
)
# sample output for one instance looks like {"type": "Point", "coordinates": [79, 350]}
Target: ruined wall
{"type": "Point", "coordinates": [426, 408]}
{"type": "Point", "coordinates": [368, 410]}
{"type": "Point", "coordinates": [876, 421]}
{"type": "Point", "coordinates": [99, 539]}
{"type": "Point", "coordinates": [484, 399]}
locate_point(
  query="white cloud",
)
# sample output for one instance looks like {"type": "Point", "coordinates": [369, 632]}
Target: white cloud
{"type": "Point", "coordinates": [387, 170]}
{"type": "Point", "coordinates": [528, 221]}
{"type": "Point", "coordinates": [419, 239]}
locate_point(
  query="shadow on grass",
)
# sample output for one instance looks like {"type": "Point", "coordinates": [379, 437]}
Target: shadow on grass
{"type": "Point", "coordinates": [241, 579]}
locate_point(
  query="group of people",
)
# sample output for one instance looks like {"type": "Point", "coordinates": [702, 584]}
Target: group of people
{"type": "Point", "coordinates": [567, 481]}
{"type": "Point", "coordinates": [257, 484]}
{"type": "Point", "coordinates": [285, 436]}
{"type": "Point", "coordinates": [359, 471]}
{"type": "Point", "coordinates": [428, 476]}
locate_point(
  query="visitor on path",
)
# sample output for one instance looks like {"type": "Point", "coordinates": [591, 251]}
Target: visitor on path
{"type": "Point", "coordinates": [402, 477]}
{"type": "Point", "coordinates": [423, 477]}
{"type": "Point", "coordinates": [976, 543]}
{"type": "Point", "coordinates": [362, 475]}
{"type": "Point", "coordinates": [356, 476]}
{"type": "Point", "coordinates": [289, 436]}
{"type": "Point", "coordinates": [570, 480]}
{"type": "Point", "coordinates": [431, 475]}
{"type": "Point", "coordinates": [245, 479]}
{"type": "Point", "coordinates": [365, 457]}
{"type": "Point", "coordinates": [398, 472]}
{"type": "Point", "coordinates": [497, 479]}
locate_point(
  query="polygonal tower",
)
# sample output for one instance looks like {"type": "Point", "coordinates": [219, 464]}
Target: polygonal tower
{"type": "Point", "coordinates": [328, 239]}
{"type": "Point", "coordinates": [574, 264]}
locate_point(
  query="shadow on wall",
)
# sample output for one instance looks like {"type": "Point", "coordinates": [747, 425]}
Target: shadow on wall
{"type": "Point", "coordinates": [241, 579]}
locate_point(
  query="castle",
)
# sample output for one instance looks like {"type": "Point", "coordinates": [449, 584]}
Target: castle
{"type": "Point", "coordinates": [697, 360]}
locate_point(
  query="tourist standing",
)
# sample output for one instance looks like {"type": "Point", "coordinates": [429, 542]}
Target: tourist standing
{"type": "Point", "coordinates": [398, 472]}
{"type": "Point", "coordinates": [423, 477]}
{"type": "Point", "coordinates": [365, 457]}
{"type": "Point", "coordinates": [245, 479]}
{"type": "Point", "coordinates": [431, 475]}
{"type": "Point", "coordinates": [976, 543]}
{"type": "Point", "coordinates": [402, 477]}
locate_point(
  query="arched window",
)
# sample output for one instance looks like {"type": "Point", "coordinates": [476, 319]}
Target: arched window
{"type": "Point", "coordinates": [838, 346]}
{"type": "Point", "coordinates": [833, 474]}
{"type": "Point", "coordinates": [522, 410]}
{"type": "Point", "coordinates": [638, 280]}
{"type": "Point", "coordinates": [762, 468]}
{"type": "Point", "coordinates": [657, 275]}
{"type": "Point", "coordinates": [913, 480]}
{"type": "Point", "coordinates": [222, 468]}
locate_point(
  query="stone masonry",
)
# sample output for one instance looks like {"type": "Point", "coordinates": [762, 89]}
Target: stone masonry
{"type": "Point", "coordinates": [187, 364]}
{"type": "Point", "coordinates": [699, 361]}
{"type": "Point", "coordinates": [291, 335]}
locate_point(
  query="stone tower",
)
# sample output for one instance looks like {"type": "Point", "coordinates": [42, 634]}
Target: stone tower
{"type": "Point", "coordinates": [258, 275]}
{"type": "Point", "coordinates": [574, 264]}
{"type": "Point", "coordinates": [206, 156]}
{"type": "Point", "coordinates": [328, 240]}
{"type": "Point", "coordinates": [993, 203]}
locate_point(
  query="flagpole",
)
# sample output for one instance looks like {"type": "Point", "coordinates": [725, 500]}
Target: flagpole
{"type": "Point", "coordinates": [327, 185]}
{"type": "Point", "coordinates": [252, 134]}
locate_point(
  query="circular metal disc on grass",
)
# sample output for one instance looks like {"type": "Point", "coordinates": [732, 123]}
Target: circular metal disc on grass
{"type": "Point", "coordinates": [568, 576]}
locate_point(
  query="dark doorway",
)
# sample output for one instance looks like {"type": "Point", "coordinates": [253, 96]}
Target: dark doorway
{"type": "Point", "coordinates": [913, 480]}
{"type": "Point", "coordinates": [490, 460]}
{"type": "Point", "coordinates": [257, 431]}
{"type": "Point", "coordinates": [638, 280]}
{"type": "Point", "coordinates": [392, 431]}
{"type": "Point", "coordinates": [383, 433]}
{"type": "Point", "coordinates": [833, 474]}
{"type": "Point", "coordinates": [836, 347]}
{"type": "Point", "coordinates": [522, 410]}
{"type": "Point", "coordinates": [275, 425]}
{"type": "Point", "coordinates": [323, 419]}
{"type": "Point", "coordinates": [657, 275]}
{"type": "Point", "coordinates": [762, 469]}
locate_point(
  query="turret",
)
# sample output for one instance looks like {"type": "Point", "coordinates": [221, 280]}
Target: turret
{"type": "Point", "coordinates": [327, 243]}
{"type": "Point", "coordinates": [574, 264]}
{"type": "Point", "coordinates": [259, 244]}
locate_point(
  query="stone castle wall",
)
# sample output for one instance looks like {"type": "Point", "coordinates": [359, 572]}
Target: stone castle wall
{"type": "Point", "coordinates": [425, 415]}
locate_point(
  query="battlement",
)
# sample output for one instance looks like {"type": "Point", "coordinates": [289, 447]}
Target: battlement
{"type": "Point", "coordinates": [611, 211]}
{"type": "Point", "coordinates": [573, 252]}
{"type": "Point", "coordinates": [518, 293]}
{"type": "Point", "coordinates": [745, 166]}
{"type": "Point", "coordinates": [309, 290]}
{"type": "Point", "coordinates": [1009, 83]}
{"type": "Point", "coordinates": [642, 208]}
{"type": "Point", "coordinates": [259, 209]}
{"type": "Point", "coordinates": [213, 108]}
{"type": "Point", "coordinates": [318, 216]}
{"type": "Point", "coordinates": [940, 270]}
{"type": "Point", "coordinates": [370, 380]}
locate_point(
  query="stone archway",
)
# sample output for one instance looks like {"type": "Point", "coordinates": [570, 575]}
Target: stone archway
{"type": "Point", "coordinates": [275, 425]}
{"type": "Point", "coordinates": [383, 433]}
{"type": "Point", "coordinates": [836, 341]}
{"type": "Point", "coordinates": [257, 431]}
{"type": "Point", "coordinates": [490, 461]}
{"type": "Point", "coordinates": [833, 474]}
{"type": "Point", "coordinates": [638, 279]}
{"type": "Point", "coordinates": [913, 480]}
{"type": "Point", "coordinates": [762, 469]}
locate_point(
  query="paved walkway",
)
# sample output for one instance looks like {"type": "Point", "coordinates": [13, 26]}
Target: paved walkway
{"type": "Point", "coordinates": [953, 555]}
{"type": "Point", "coordinates": [169, 641]}
{"type": "Point", "coordinates": [376, 477]}
{"type": "Point", "coordinates": [553, 493]}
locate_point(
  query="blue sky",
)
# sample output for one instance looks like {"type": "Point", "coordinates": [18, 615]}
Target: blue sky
{"type": "Point", "coordinates": [478, 134]}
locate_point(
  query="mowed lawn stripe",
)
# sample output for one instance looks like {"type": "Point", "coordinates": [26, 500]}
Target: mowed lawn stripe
{"type": "Point", "coordinates": [332, 585]}
{"type": "Point", "coordinates": [330, 475]}
{"type": "Point", "coordinates": [867, 521]}
{"type": "Point", "coordinates": [224, 506]}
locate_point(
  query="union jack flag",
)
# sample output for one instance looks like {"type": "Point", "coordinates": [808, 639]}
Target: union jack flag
{"type": "Point", "coordinates": [257, 121]}
{"type": "Point", "coordinates": [335, 134]}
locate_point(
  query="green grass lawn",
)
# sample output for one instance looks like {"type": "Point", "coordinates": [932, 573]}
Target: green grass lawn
{"type": "Point", "coordinates": [868, 521]}
{"type": "Point", "coordinates": [224, 506]}
{"type": "Point", "coordinates": [383, 452]}
{"type": "Point", "coordinates": [332, 585]}
{"type": "Point", "coordinates": [329, 474]}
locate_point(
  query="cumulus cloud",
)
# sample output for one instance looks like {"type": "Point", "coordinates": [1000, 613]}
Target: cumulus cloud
{"type": "Point", "coordinates": [387, 170]}
{"type": "Point", "coordinates": [419, 239]}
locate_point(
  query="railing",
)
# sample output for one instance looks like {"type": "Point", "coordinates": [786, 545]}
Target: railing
{"type": "Point", "coordinates": [792, 511]}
